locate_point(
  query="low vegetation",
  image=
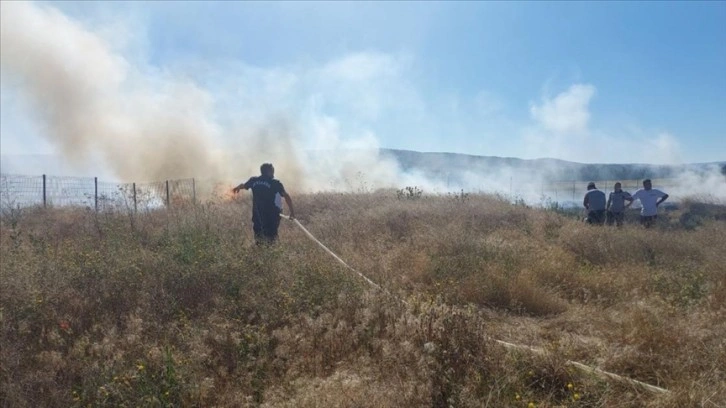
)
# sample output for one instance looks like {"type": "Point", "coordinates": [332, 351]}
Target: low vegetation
{"type": "Point", "coordinates": [179, 308]}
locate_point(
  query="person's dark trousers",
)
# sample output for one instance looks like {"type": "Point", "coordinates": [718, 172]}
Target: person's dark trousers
{"type": "Point", "coordinates": [596, 217]}
{"type": "Point", "coordinates": [648, 221]}
{"type": "Point", "coordinates": [265, 227]}
{"type": "Point", "coordinates": [615, 218]}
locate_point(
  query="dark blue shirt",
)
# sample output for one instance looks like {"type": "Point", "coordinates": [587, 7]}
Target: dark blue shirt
{"type": "Point", "coordinates": [595, 200]}
{"type": "Point", "coordinates": [266, 196]}
{"type": "Point", "coordinates": [616, 201]}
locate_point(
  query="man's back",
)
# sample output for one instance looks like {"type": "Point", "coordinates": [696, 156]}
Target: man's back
{"type": "Point", "coordinates": [595, 200]}
{"type": "Point", "coordinates": [266, 192]}
{"type": "Point", "coordinates": [648, 200]}
{"type": "Point", "coordinates": [267, 195]}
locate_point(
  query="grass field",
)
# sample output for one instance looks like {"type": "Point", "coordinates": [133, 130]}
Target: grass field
{"type": "Point", "coordinates": [178, 308]}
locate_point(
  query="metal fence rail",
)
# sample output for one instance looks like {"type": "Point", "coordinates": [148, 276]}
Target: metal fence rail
{"type": "Point", "coordinates": [18, 191]}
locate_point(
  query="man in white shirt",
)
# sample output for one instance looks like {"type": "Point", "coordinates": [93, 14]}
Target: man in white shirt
{"type": "Point", "coordinates": [650, 199]}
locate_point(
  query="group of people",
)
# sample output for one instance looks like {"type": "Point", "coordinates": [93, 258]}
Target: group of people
{"type": "Point", "coordinates": [268, 192]}
{"type": "Point", "coordinates": [612, 210]}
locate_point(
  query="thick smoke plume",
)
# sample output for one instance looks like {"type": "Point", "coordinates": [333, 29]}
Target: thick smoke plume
{"type": "Point", "coordinates": [90, 99]}
{"type": "Point", "coordinates": [149, 123]}
{"type": "Point", "coordinates": [146, 125]}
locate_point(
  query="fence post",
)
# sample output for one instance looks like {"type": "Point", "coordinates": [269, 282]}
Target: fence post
{"type": "Point", "coordinates": [95, 193]}
{"type": "Point", "coordinates": [134, 186]}
{"type": "Point", "coordinates": [167, 194]}
{"type": "Point", "coordinates": [194, 192]}
{"type": "Point", "coordinates": [44, 201]}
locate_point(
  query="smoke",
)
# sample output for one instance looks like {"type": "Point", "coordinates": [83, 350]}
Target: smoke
{"type": "Point", "coordinates": [91, 99]}
{"type": "Point", "coordinates": [98, 99]}
{"type": "Point", "coordinates": [562, 129]}
{"type": "Point", "coordinates": [151, 123]}
{"type": "Point", "coordinates": [568, 112]}
{"type": "Point", "coordinates": [705, 184]}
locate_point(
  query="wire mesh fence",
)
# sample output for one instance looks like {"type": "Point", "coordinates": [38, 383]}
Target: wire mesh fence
{"type": "Point", "coordinates": [20, 191]}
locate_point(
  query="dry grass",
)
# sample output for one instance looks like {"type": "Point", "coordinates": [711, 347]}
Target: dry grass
{"type": "Point", "coordinates": [179, 308]}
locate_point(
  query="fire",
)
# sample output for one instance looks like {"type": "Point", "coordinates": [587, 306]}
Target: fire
{"type": "Point", "coordinates": [222, 191]}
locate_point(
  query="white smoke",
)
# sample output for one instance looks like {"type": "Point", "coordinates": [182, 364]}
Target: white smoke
{"type": "Point", "coordinates": [155, 123]}
{"type": "Point", "coordinates": [94, 96]}
{"type": "Point", "coordinates": [566, 113]}
{"type": "Point", "coordinates": [91, 99]}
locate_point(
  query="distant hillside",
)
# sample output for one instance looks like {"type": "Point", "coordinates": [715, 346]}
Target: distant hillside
{"type": "Point", "coordinates": [442, 166]}
{"type": "Point", "coordinates": [449, 164]}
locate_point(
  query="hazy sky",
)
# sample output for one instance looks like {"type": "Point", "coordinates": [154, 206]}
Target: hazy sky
{"type": "Point", "coordinates": [583, 81]}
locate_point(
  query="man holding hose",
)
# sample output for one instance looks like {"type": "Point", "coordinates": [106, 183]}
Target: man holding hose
{"type": "Point", "coordinates": [267, 194]}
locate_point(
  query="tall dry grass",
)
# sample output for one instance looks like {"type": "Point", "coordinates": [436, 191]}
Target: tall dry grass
{"type": "Point", "coordinates": [179, 308]}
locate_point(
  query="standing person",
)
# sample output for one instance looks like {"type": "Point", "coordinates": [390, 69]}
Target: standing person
{"type": "Point", "coordinates": [594, 202]}
{"type": "Point", "coordinates": [650, 199]}
{"type": "Point", "coordinates": [616, 205]}
{"type": "Point", "coordinates": [266, 203]}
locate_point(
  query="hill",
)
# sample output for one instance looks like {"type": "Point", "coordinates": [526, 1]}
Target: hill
{"type": "Point", "coordinates": [438, 165]}
{"type": "Point", "coordinates": [435, 166]}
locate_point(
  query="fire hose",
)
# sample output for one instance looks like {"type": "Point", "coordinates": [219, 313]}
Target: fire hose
{"type": "Point", "coordinates": [511, 346]}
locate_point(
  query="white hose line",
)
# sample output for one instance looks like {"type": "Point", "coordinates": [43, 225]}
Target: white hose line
{"type": "Point", "coordinates": [342, 262]}
{"type": "Point", "coordinates": [582, 367]}
{"type": "Point", "coordinates": [587, 369]}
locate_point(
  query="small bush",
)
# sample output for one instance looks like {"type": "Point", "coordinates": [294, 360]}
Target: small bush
{"type": "Point", "coordinates": [409, 193]}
